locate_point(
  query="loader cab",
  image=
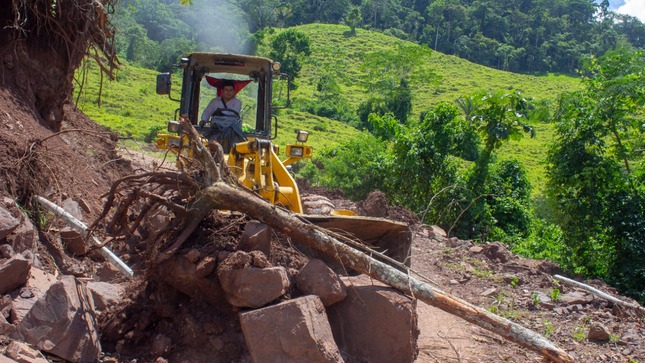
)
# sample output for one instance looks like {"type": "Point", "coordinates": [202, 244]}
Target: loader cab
{"type": "Point", "coordinates": [253, 77]}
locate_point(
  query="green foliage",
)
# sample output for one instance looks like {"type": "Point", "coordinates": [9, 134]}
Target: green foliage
{"type": "Point", "coordinates": [288, 48]}
{"type": "Point", "coordinates": [421, 161]}
{"type": "Point", "coordinates": [329, 102]}
{"type": "Point", "coordinates": [128, 105]}
{"type": "Point", "coordinates": [593, 176]}
{"type": "Point", "coordinates": [545, 242]}
{"type": "Point", "coordinates": [495, 204]}
{"type": "Point", "coordinates": [356, 167]}
{"type": "Point", "coordinates": [555, 294]}
{"type": "Point", "coordinates": [152, 133]}
{"type": "Point", "coordinates": [353, 18]}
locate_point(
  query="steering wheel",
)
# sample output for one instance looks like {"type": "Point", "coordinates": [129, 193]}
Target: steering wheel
{"type": "Point", "coordinates": [226, 112]}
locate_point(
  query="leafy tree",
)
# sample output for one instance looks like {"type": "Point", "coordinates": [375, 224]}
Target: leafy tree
{"type": "Point", "coordinates": [328, 11]}
{"type": "Point", "coordinates": [357, 167]}
{"type": "Point", "coordinates": [497, 117]}
{"type": "Point", "coordinates": [387, 75]}
{"type": "Point", "coordinates": [261, 13]}
{"type": "Point", "coordinates": [353, 18]}
{"type": "Point", "coordinates": [592, 176]}
{"type": "Point", "coordinates": [288, 48]}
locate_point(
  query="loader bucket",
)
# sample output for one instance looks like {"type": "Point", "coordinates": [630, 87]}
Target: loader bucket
{"type": "Point", "coordinates": [391, 238]}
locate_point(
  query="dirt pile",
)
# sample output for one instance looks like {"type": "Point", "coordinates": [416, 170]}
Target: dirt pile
{"type": "Point", "coordinates": [190, 307]}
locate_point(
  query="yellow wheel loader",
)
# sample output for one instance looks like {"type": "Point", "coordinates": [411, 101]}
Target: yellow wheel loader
{"type": "Point", "coordinates": [246, 136]}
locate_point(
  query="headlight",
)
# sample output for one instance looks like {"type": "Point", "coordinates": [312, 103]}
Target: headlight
{"type": "Point", "coordinates": [296, 151]}
{"type": "Point", "coordinates": [302, 136]}
{"type": "Point", "coordinates": [173, 126]}
{"type": "Point", "coordinates": [276, 67]}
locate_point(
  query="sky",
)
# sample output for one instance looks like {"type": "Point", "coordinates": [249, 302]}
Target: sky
{"type": "Point", "coordinates": [632, 7]}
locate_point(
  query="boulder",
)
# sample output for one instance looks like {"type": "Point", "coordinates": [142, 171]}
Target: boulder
{"type": "Point", "coordinates": [72, 207]}
{"type": "Point", "coordinates": [62, 323]}
{"type": "Point", "coordinates": [575, 297]}
{"type": "Point", "coordinates": [4, 359]}
{"type": "Point", "coordinates": [104, 294]}
{"type": "Point", "coordinates": [73, 241]}
{"type": "Point", "coordinates": [253, 287]}
{"type": "Point", "coordinates": [182, 274]}
{"type": "Point", "coordinates": [248, 286]}
{"type": "Point", "coordinates": [436, 232]}
{"type": "Point", "coordinates": [24, 237]}
{"type": "Point", "coordinates": [256, 237]}
{"type": "Point", "coordinates": [497, 251]}
{"type": "Point", "coordinates": [7, 223]}
{"type": "Point", "coordinates": [14, 273]}
{"type": "Point", "coordinates": [598, 332]}
{"type": "Point", "coordinates": [293, 331]}
{"type": "Point", "coordinates": [374, 323]}
{"type": "Point", "coordinates": [316, 278]}
{"type": "Point", "coordinates": [22, 353]}
{"type": "Point", "coordinates": [35, 288]}
{"type": "Point", "coordinates": [6, 329]}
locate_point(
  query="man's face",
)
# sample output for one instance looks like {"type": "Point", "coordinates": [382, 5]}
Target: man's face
{"type": "Point", "coordinates": [228, 92]}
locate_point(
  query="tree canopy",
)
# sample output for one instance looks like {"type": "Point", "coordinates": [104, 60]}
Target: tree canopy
{"type": "Point", "coordinates": [519, 36]}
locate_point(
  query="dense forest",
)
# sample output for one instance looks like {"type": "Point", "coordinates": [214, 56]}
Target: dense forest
{"type": "Point", "coordinates": [514, 35]}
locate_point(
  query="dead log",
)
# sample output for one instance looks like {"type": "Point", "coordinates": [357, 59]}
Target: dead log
{"type": "Point", "coordinates": [221, 195]}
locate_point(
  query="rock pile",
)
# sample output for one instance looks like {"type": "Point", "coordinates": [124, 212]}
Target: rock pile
{"type": "Point", "coordinates": [292, 313]}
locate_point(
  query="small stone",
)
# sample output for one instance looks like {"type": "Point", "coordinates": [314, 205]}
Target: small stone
{"type": "Point", "coordinates": [476, 249]}
{"type": "Point", "coordinates": [489, 292]}
{"type": "Point", "coordinates": [598, 332]}
{"type": "Point", "coordinates": [561, 310]}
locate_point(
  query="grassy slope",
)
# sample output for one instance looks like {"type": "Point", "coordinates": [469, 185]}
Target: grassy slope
{"type": "Point", "coordinates": [333, 48]}
{"type": "Point", "coordinates": [130, 105]}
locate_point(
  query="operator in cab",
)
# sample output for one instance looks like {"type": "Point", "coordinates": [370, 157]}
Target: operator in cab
{"type": "Point", "coordinates": [225, 105]}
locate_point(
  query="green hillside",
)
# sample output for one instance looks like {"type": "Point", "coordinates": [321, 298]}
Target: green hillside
{"type": "Point", "coordinates": [130, 106]}
{"type": "Point", "coordinates": [334, 50]}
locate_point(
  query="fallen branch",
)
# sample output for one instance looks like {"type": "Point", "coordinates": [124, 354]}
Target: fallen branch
{"type": "Point", "coordinates": [601, 294]}
{"type": "Point", "coordinates": [221, 195]}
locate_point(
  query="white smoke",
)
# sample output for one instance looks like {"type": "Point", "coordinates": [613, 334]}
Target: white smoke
{"type": "Point", "coordinates": [222, 27]}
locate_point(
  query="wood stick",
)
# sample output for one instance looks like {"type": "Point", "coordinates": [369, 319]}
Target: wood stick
{"type": "Point", "coordinates": [601, 294]}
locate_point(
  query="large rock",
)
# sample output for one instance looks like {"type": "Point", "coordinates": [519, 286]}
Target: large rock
{"type": "Point", "coordinates": [249, 286]}
{"type": "Point", "coordinates": [35, 288]}
{"type": "Point", "coordinates": [575, 297]}
{"type": "Point", "coordinates": [293, 331]}
{"type": "Point", "coordinates": [4, 359]}
{"type": "Point", "coordinates": [7, 223]}
{"type": "Point", "coordinates": [104, 294]}
{"type": "Point", "coordinates": [24, 237]}
{"type": "Point", "coordinates": [256, 237]}
{"type": "Point", "coordinates": [62, 324]}
{"type": "Point", "coordinates": [497, 251]}
{"type": "Point", "coordinates": [6, 329]}
{"type": "Point", "coordinates": [14, 273]}
{"type": "Point", "coordinates": [22, 353]}
{"type": "Point", "coordinates": [374, 323]}
{"type": "Point", "coordinates": [184, 276]}
{"type": "Point", "coordinates": [316, 278]}
{"type": "Point", "coordinates": [73, 241]}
